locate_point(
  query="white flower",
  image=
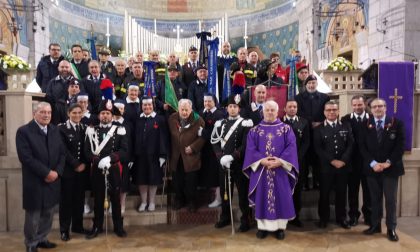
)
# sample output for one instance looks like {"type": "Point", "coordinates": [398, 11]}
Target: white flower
{"type": "Point", "coordinates": [5, 66]}
{"type": "Point", "coordinates": [20, 66]}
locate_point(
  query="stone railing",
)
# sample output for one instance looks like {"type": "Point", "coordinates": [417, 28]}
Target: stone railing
{"type": "Point", "coordinates": [350, 80]}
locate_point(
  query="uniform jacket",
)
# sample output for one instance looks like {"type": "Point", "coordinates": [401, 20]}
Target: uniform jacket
{"type": "Point", "coordinates": [39, 154]}
{"type": "Point", "coordinates": [196, 91]}
{"type": "Point", "coordinates": [183, 137]}
{"type": "Point", "coordinates": [94, 92]}
{"type": "Point", "coordinates": [73, 142]}
{"type": "Point", "coordinates": [390, 148]}
{"type": "Point", "coordinates": [301, 130]}
{"type": "Point", "coordinates": [248, 69]}
{"type": "Point", "coordinates": [57, 96]}
{"type": "Point", "coordinates": [116, 148]}
{"type": "Point", "coordinates": [46, 70]}
{"type": "Point", "coordinates": [187, 73]}
{"type": "Point", "coordinates": [333, 143]}
{"type": "Point", "coordinates": [236, 144]}
{"type": "Point", "coordinates": [151, 136]}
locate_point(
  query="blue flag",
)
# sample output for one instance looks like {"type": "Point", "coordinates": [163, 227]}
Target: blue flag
{"type": "Point", "coordinates": [226, 77]}
{"type": "Point", "coordinates": [291, 93]}
{"type": "Point", "coordinates": [396, 87]}
{"type": "Point", "coordinates": [150, 79]}
{"type": "Point", "coordinates": [212, 67]}
{"type": "Point", "coordinates": [91, 41]}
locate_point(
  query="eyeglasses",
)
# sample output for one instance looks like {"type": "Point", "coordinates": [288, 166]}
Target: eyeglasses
{"type": "Point", "coordinates": [55, 49]}
{"type": "Point", "coordinates": [378, 106]}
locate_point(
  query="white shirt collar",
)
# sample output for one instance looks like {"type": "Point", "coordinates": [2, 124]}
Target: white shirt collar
{"type": "Point", "coordinates": [73, 124]}
{"type": "Point", "coordinates": [211, 110]}
{"type": "Point", "coordinates": [130, 101]}
{"type": "Point", "coordinates": [105, 125]}
{"type": "Point", "coordinates": [292, 118]}
{"type": "Point", "coordinates": [234, 118]}
{"type": "Point", "coordinates": [354, 115]}
{"type": "Point", "coordinates": [152, 115]}
{"type": "Point", "coordinates": [331, 122]}
{"type": "Point", "coordinates": [383, 120]}
{"type": "Point", "coordinates": [120, 120]}
{"type": "Point", "coordinates": [40, 126]}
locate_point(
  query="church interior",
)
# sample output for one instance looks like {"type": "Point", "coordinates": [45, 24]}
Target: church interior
{"type": "Point", "coordinates": [342, 42]}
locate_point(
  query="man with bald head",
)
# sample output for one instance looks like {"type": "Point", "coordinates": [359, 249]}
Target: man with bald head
{"type": "Point", "coordinates": [41, 152]}
{"type": "Point", "coordinates": [57, 88]}
{"type": "Point", "coordinates": [271, 163]}
{"type": "Point", "coordinates": [91, 85]}
{"type": "Point", "coordinates": [254, 110]}
{"type": "Point", "coordinates": [243, 66]}
{"type": "Point", "coordinates": [225, 58]}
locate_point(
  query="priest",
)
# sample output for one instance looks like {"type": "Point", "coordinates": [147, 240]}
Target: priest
{"type": "Point", "coordinates": [271, 163]}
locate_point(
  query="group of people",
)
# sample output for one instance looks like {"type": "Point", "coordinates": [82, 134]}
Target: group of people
{"type": "Point", "coordinates": [98, 130]}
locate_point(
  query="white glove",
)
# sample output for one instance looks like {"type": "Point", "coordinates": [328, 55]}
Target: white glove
{"type": "Point", "coordinates": [161, 161]}
{"type": "Point", "coordinates": [105, 163]}
{"type": "Point", "coordinates": [226, 161]}
{"type": "Point", "coordinates": [130, 165]}
{"type": "Point", "coordinates": [200, 131]}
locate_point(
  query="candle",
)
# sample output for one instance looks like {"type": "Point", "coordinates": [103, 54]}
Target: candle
{"type": "Point", "coordinates": [246, 24]}
{"type": "Point", "coordinates": [199, 25]}
{"type": "Point", "coordinates": [155, 27]}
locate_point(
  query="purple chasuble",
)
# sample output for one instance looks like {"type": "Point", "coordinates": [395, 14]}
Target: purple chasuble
{"type": "Point", "coordinates": [271, 190]}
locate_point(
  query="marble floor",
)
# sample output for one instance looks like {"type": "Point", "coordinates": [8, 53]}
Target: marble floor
{"type": "Point", "coordinates": [206, 238]}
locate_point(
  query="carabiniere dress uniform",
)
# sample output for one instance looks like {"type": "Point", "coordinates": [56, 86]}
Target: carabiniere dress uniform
{"type": "Point", "coordinates": [117, 149]}
{"type": "Point", "coordinates": [235, 146]}
{"type": "Point", "coordinates": [73, 183]}
{"type": "Point", "coordinates": [333, 142]}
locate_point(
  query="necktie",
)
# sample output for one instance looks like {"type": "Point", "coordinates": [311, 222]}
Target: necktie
{"type": "Point", "coordinates": [45, 130]}
{"type": "Point", "coordinates": [333, 125]}
{"type": "Point", "coordinates": [77, 128]}
{"type": "Point", "coordinates": [54, 62]}
{"type": "Point", "coordinates": [379, 130]}
{"type": "Point", "coordinates": [194, 65]}
{"type": "Point", "coordinates": [359, 119]}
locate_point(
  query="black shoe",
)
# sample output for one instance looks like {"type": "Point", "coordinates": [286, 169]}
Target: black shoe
{"type": "Point", "coordinates": [31, 249]}
{"type": "Point", "coordinates": [65, 236]}
{"type": "Point", "coordinates": [244, 227]}
{"type": "Point", "coordinates": [46, 245]}
{"type": "Point", "coordinates": [392, 235]}
{"type": "Point", "coordinates": [120, 232]}
{"type": "Point", "coordinates": [296, 222]}
{"type": "Point", "coordinates": [79, 231]}
{"type": "Point", "coordinates": [261, 234]}
{"type": "Point", "coordinates": [222, 223]}
{"type": "Point", "coordinates": [93, 233]}
{"type": "Point", "coordinates": [279, 234]}
{"type": "Point", "coordinates": [372, 230]}
{"type": "Point", "coordinates": [344, 224]}
{"type": "Point", "coordinates": [367, 222]}
{"type": "Point", "coordinates": [353, 221]}
{"type": "Point", "coordinates": [322, 224]}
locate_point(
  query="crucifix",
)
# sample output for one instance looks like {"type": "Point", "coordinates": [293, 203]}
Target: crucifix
{"type": "Point", "coordinates": [178, 30]}
{"type": "Point", "coordinates": [395, 97]}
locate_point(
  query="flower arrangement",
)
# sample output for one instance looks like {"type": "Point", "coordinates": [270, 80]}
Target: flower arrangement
{"type": "Point", "coordinates": [340, 64]}
{"type": "Point", "coordinates": [13, 63]}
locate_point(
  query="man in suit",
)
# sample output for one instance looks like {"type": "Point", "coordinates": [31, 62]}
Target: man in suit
{"type": "Point", "coordinates": [358, 120]}
{"type": "Point", "coordinates": [78, 62]}
{"type": "Point", "coordinates": [333, 142]}
{"type": "Point", "coordinates": [254, 111]}
{"type": "Point", "coordinates": [198, 88]}
{"type": "Point", "coordinates": [189, 68]}
{"type": "Point", "coordinates": [48, 66]}
{"type": "Point", "coordinates": [91, 85]}
{"type": "Point", "coordinates": [300, 127]}
{"type": "Point", "coordinates": [226, 56]}
{"type": "Point", "coordinates": [42, 155]}
{"type": "Point", "coordinates": [382, 147]}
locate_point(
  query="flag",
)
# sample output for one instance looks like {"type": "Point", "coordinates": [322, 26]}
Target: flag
{"type": "Point", "coordinates": [212, 77]}
{"type": "Point", "coordinates": [396, 87]}
{"type": "Point", "coordinates": [170, 96]}
{"type": "Point", "coordinates": [226, 77]}
{"type": "Point", "coordinates": [204, 53]}
{"type": "Point", "coordinates": [292, 79]}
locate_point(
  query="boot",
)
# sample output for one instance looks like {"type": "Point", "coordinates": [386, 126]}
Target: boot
{"type": "Point", "coordinates": [118, 228]}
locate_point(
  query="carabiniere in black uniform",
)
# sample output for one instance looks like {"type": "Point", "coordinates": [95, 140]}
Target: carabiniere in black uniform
{"type": "Point", "coordinates": [117, 149]}
{"type": "Point", "coordinates": [333, 142]}
{"type": "Point", "coordinates": [235, 146]}
{"type": "Point", "coordinates": [72, 183]}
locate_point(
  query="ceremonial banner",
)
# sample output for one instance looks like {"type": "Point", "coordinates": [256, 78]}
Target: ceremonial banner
{"type": "Point", "coordinates": [150, 79]}
{"type": "Point", "coordinates": [226, 77]}
{"type": "Point", "coordinates": [276, 93]}
{"type": "Point", "coordinates": [396, 87]}
{"type": "Point", "coordinates": [212, 67]}
{"type": "Point", "coordinates": [292, 91]}
{"type": "Point", "coordinates": [204, 53]}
